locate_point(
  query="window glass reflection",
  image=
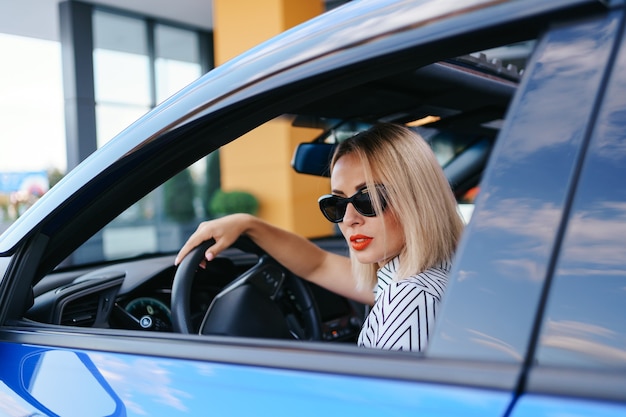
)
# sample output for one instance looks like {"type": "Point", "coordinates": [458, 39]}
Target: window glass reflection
{"type": "Point", "coordinates": [584, 324]}
{"type": "Point", "coordinates": [56, 377]}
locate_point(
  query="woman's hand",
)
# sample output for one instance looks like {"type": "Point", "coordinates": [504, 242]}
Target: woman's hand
{"type": "Point", "coordinates": [296, 253]}
{"type": "Point", "coordinates": [224, 231]}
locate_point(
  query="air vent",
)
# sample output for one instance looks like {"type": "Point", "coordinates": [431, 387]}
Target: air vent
{"type": "Point", "coordinates": [81, 312]}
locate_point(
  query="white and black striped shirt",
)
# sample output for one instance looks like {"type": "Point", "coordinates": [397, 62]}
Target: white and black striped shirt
{"type": "Point", "coordinates": [404, 313]}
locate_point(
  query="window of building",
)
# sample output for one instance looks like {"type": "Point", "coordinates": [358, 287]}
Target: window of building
{"type": "Point", "coordinates": [138, 64]}
{"type": "Point", "coordinates": [121, 67]}
{"type": "Point", "coordinates": [177, 61]}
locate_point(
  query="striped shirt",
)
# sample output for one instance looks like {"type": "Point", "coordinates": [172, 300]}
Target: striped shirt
{"type": "Point", "coordinates": [404, 313]}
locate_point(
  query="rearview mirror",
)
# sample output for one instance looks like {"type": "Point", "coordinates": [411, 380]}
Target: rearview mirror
{"type": "Point", "coordinates": [313, 158]}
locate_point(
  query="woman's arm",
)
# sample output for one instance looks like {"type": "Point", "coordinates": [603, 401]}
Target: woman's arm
{"type": "Point", "coordinates": [294, 252]}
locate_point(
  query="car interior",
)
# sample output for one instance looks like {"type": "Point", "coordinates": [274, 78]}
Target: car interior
{"type": "Point", "coordinates": [457, 106]}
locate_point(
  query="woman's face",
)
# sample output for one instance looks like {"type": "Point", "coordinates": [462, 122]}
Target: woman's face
{"type": "Point", "coordinates": [372, 239]}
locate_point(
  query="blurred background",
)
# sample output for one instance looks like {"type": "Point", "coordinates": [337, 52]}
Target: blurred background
{"type": "Point", "coordinates": [75, 73]}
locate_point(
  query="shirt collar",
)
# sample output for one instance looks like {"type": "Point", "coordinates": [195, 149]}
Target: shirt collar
{"type": "Point", "coordinates": [386, 275]}
{"type": "Point", "coordinates": [390, 268]}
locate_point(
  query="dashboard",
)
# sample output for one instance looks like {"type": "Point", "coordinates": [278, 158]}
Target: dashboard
{"type": "Point", "coordinates": [136, 295]}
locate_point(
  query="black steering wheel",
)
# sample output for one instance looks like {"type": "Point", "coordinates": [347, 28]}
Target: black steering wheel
{"type": "Point", "coordinates": [265, 301]}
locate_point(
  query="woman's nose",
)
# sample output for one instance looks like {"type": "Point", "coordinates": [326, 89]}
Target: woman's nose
{"type": "Point", "coordinates": [352, 216]}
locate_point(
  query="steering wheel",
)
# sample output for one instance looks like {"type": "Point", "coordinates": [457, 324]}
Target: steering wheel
{"type": "Point", "coordinates": [265, 301]}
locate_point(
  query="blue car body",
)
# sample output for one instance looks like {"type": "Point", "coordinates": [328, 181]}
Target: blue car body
{"type": "Point", "coordinates": [534, 319]}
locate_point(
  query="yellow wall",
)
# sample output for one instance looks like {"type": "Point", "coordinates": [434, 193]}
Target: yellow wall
{"type": "Point", "coordinates": [238, 25]}
{"type": "Point", "coordinates": [260, 162]}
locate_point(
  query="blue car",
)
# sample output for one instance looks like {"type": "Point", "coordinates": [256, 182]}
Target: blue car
{"type": "Point", "coordinates": [524, 104]}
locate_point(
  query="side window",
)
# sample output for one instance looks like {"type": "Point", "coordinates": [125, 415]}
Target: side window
{"type": "Point", "coordinates": [584, 324]}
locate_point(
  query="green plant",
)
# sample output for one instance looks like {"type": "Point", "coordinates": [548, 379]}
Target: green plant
{"type": "Point", "coordinates": [178, 194]}
{"type": "Point", "coordinates": [228, 202]}
{"type": "Point", "coordinates": [54, 176]}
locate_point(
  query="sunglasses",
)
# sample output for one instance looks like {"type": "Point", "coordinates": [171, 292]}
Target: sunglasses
{"type": "Point", "coordinates": [334, 207]}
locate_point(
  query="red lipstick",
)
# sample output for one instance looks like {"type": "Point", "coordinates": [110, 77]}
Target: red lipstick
{"type": "Point", "coordinates": [360, 242]}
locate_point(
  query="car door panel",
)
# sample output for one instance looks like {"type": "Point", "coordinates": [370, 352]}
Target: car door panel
{"type": "Point", "coordinates": [544, 406]}
{"type": "Point", "coordinates": [161, 386]}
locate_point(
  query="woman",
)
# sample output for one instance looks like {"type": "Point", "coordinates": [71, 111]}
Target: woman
{"type": "Point", "coordinates": [396, 211]}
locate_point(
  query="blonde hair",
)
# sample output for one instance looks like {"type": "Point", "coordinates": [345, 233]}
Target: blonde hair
{"type": "Point", "coordinates": [417, 192]}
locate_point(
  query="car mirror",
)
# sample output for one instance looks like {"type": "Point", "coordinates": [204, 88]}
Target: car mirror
{"type": "Point", "coordinates": [313, 158]}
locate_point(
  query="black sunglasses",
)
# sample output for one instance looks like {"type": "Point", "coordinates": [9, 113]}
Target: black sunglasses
{"type": "Point", "coordinates": [334, 207]}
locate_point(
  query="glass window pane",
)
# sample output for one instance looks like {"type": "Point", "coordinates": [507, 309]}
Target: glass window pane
{"type": "Point", "coordinates": [177, 60]}
{"type": "Point", "coordinates": [119, 33]}
{"type": "Point", "coordinates": [121, 61]}
{"type": "Point", "coordinates": [176, 44]}
{"type": "Point", "coordinates": [111, 119]}
{"type": "Point", "coordinates": [121, 78]}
